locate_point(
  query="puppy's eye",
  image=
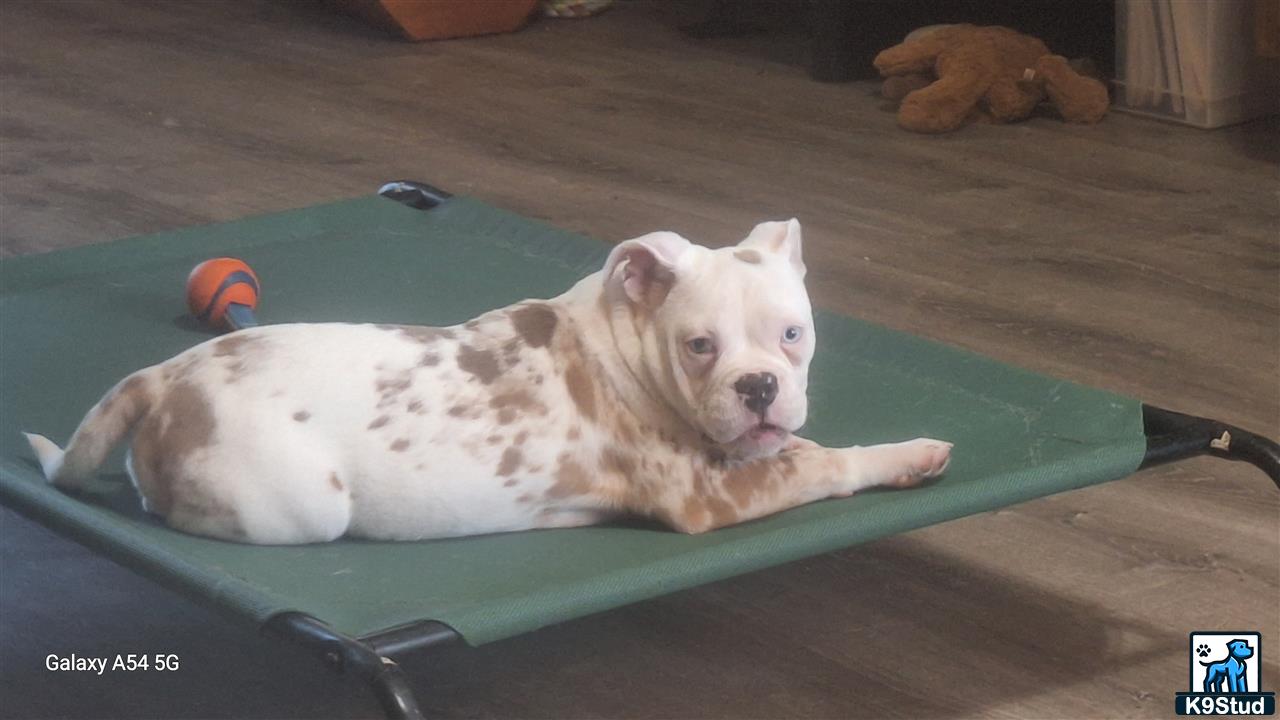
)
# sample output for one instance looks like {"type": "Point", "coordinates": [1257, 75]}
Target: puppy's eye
{"type": "Point", "coordinates": [701, 346]}
{"type": "Point", "coordinates": [792, 334]}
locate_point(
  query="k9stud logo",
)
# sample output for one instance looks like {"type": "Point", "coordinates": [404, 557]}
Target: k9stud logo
{"type": "Point", "coordinates": [1225, 672]}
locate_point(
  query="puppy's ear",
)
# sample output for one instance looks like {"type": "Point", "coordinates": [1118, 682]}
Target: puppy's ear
{"type": "Point", "coordinates": [782, 238]}
{"type": "Point", "coordinates": [645, 267]}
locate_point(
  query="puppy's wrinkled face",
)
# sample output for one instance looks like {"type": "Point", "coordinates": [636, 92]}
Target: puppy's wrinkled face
{"type": "Point", "coordinates": [731, 333]}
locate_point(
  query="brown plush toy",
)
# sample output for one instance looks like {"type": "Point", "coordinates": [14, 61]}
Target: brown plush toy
{"type": "Point", "coordinates": [950, 75]}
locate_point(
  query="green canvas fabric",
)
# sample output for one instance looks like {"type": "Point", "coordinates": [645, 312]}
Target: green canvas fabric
{"type": "Point", "coordinates": [74, 322]}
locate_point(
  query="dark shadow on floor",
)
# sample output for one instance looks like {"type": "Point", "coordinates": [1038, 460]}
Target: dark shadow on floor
{"type": "Point", "coordinates": [57, 598]}
{"type": "Point", "coordinates": [782, 32]}
{"type": "Point", "coordinates": [769, 637]}
{"type": "Point", "coordinates": [1259, 139]}
{"type": "Point", "coordinates": [779, 642]}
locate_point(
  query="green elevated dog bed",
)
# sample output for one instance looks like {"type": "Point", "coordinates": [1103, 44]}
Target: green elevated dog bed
{"type": "Point", "coordinates": [74, 322]}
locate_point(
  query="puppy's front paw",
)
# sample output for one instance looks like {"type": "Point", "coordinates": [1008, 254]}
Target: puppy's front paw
{"type": "Point", "coordinates": [923, 458]}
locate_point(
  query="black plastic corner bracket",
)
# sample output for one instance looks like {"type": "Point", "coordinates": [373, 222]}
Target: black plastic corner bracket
{"type": "Point", "coordinates": [417, 195]}
{"type": "Point", "coordinates": [346, 655]}
{"type": "Point", "coordinates": [1174, 436]}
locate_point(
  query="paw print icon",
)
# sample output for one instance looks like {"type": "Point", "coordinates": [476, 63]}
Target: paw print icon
{"type": "Point", "coordinates": [1202, 650]}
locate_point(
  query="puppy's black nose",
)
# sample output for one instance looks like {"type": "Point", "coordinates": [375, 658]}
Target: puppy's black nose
{"type": "Point", "coordinates": [758, 390]}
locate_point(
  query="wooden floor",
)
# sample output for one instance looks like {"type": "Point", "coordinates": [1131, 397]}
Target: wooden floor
{"type": "Point", "coordinates": [1136, 256]}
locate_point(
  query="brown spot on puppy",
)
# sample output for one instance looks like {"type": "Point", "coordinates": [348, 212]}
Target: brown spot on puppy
{"type": "Point", "coordinates": [722, 511]}
{"type": "Point", "coordinates": [493, 439]}
{"type": "Point", "coordinates": [581, 389]}
{"type": "Point", "coordinates": [626, 433]}
{"type": "Point", "coordinates": [233, 344]}
{"type": "Point", "coordinates": [336, 483]}
{"type": "Point", "coordinates": [392, 387]}
{"type": "Point", "coordinates": [458, 410]}
{"type": "Point", "coordinates": [535, 322]}
{"type": "Point", "coordinates": [510, 462]}
{"type": "Point", "coordinates": [693, 515]}
{"type": "Point", "coordinates": [235, 370]}
{"type": "Point", "coordinates": [571, 480]}
{"type": "Point", "coordinates": [415, 406]}
{"type": "Point", "coordinates": [131, 391]}
{"type": "Point", "coordinates": [517, 400]}
{"type": "Point", "coordinates": [511, 351]}
{"type": "Point", "coordinates": [617, 463]}
{"type": "Point", "coordinates": [512, 482]}
{"type": "Point", "coordinates": [743, 481]}
{"type": "Point", "coordinates": [704, 505]}
{"type": "Point", "coordinates": [749, 256]}
{"type": "Point", "coordinates": [181, 424]}
{"type": "Point", "coordinates": [179, 369]}
{"type": "Point", "coordinates": [521, 437]}
{"type": "Point", "coordinates": [575, 432]}
{"type": "Point", "coordinates": [429, 359]}
{"type": "Point", "coordinates": [400, 445]}
{"type": "Point", "coordinates": [379, 422]}
{"type": "Point", "coordinates": [480, 363]}
{"type": "Point", "coordinates": [302, 416]}
{"type": "Point", "coordinates": [506, 416]}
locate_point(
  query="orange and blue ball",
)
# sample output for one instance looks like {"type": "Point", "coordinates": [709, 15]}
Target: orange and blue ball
{"type": "Point", "coordinates": [223, 293]}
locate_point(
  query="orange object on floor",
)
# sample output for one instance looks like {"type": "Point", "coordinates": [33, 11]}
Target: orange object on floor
{"type": "Point", "coordinates": [440, 19]}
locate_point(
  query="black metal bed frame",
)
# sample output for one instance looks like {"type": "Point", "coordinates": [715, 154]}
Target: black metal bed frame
{"type": "Point", "coordinates": [1171, 436]}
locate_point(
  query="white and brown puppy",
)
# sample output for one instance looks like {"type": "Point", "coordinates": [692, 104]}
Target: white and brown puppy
{"type": "Point", "coordinates": [666, 385]}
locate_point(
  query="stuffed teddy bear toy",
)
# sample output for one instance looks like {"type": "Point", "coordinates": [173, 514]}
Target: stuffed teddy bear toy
{"type": "Point", "coordinates": [948, 75]}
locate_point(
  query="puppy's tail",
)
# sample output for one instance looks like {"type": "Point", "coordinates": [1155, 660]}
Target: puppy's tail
{"type": "Point", "coordinates": [100, 431]}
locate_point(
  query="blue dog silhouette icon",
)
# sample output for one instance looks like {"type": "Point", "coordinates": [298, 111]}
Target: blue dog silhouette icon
{"type": "Point", "coordinates": [1229, 671]}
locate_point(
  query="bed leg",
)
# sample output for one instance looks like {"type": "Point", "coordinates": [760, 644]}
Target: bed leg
{"type": "Point", "coordinates": [1174, 436]}
{"type": "Point", "coordinates": [348, 656]}
{"type": "Point", "coordinates": [394, 693]}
